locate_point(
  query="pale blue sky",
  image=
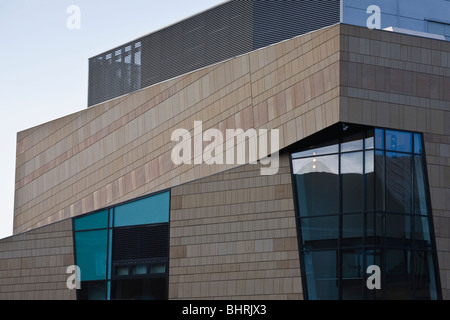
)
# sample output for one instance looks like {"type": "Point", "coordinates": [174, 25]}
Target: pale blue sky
{"type": "Point", "coordinates": [44, 65]}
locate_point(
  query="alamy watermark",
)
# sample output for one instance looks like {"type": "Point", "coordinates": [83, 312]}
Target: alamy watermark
{"type": "Point", "coordinates": [374, 21]}
{"type": "Point", "coordinates": [74, 280]}
{"type": "Point", "coordinates": [221, 148]}
{"type": "Point", "coordinates": [374, 281]}
{"type": "Point", "coordinates": [73, 21]}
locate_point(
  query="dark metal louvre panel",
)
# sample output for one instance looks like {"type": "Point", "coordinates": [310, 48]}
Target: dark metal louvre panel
{"type": "Point", "coordinates": [141, 242]}
{"type": "Point", "coordinates": [202, 40]}
{"type": "Point", "coordinates": [276, 20]}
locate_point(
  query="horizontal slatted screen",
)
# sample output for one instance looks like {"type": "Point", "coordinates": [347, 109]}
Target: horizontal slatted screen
{"type": "Point", "coordinates": [276, 20]}
{"type": "Point", "coordinates": [141, 242]}
{"type": "Point", "coordinates": [233, 28]}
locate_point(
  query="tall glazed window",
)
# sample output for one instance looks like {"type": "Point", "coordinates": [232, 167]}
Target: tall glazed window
{"type": "Point", "coordinates": [361, 200]}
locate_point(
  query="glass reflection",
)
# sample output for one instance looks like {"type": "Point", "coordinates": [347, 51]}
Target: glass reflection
{"type": "Point", "coordinates": [352, 181]}
{"type": "Point", "coordinates": [317, 183]}
{"type": "Point", "coordinates": [398, 141]}
{"type": "Point", "coordinates": [317, 151]}
{"type": "Point", "coordinates": [398, 182]}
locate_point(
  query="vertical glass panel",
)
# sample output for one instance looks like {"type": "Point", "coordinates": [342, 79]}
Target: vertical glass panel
{"type": "Point", "coordinates": [321, 274]}
{"type": "Point", "coordinates": [420, 192]}
{"type": "Point", "coordinates": [398, 182]}
{"type": "Point", "coordinates": [320, 228]}
{"type": "Point", "coordinates": [423, 275]}
{"type": "Point", "coordinates": [369, 142]}
{"type": "Point", "coordinates": [379, 138]}
{"type": "Point", "coordinates": [90, 249]}
{"type": "Point", "coordinates": [352, 182]}
{"type": "Point", "coordinates": [398, 229]}
{"type": "Point", "coordinates": [352, 274]}
{"type": "Point", "coordinates": [154, 209]}
{"type": "Point", "coordinates": [422, 232]}
{"type": "Point", "coordinates": [417, 143]}
{"type": "Point", "coordinates": [353, 227]}
{"type": "Point", "coordinates": [375, 228]}
{"type": "Point", "coordinates": [352, 142]}
{"type": "Point", "coordinates": [398, 141]}
{"type": "Point", "coordinates": [97, 220]}
{"type": "Point", "coordinates": [379, 181]}
{"type": "Point", "coordinates": [369, 171]}
{"type": "Point", "coordinates": [397, 273]}
{"type": "Point", "coordinates": [317, 182]}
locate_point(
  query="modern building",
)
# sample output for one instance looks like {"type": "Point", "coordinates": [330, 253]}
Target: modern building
{"type": "Point", "coordinates": [355, 98]}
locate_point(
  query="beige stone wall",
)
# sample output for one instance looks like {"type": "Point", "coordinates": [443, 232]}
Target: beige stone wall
{"type": "Point", "coordinates": [121, 149]}
{"type": "Point", "coordinates": [33, 264]}
{"type": "Point", "coordinates": [398, 81]}
{"type": "Point", "coordinates": [233, 236]}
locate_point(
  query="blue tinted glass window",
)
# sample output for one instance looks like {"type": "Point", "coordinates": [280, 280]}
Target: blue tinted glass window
{"type": "Point", "coordinates": [417, 144]}
{"type": "Point", "coordinates": [398, 141]}
{"type": "Point", "coordinates": [97, 220]}
{"type": "Point", "coordinates": [90, 249]}
{"type": "Point", "coordinates": [379, 138]}
{"type": "Point", "coordinates": [153, 209]}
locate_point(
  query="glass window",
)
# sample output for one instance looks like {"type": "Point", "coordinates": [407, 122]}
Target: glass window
{"type": "Point", "coordinates": [154, 209]}
{"type": "Point", "coordinates": [140, 269]}
{"type": "Point", "coordinates": [352, 274]}
{"type": "Point", "coordinates": [379, 180]}
{"type": "Point", "coordinates": [369, 171]}
{"type": "Point", "coordinates": [369, 142]}
{"type": "Point", "coordinates": [375, 228]}
{"type": "Point", "coordinates": [352, 182]}
{"type": "Point", "coordinates": [352, 142]}
{"type": "Point", "coordinates": [92, 290]}
{"type": "Point", "coordinates": [397, 274]}
{"type": "Point", "coordinates": [379, 138]}
{"type": "Point", "coordinates": [398, 229]}
{"type": "Point", "coordinates": [353, 227]}
{"type": "Point", "coordinates": [398, 182]}
{"type": "Point", "coordinates": [320, 228]}
{"type": "Point", "coordinates": [398, 141]}
{"type": "Point", "coordinates": [317, 151]}
{"type": "Point", "coordinates": [417, 143]}
{"type": "Point", "coordinates": [423, 274]}
{"type": "Point", "coordinates": [317, 185]}
{"type": "Point", "coordinates": [366, 205]}
{"type": "Point", "coordinates": [420, 197]}
{"type": "Point", "coordinates": [422, 237]}
{"type": "Point", "coordinates": [97, 220]}
{"type": "Point", "coordinates": [158, 268]}
{"type": "Point", "coordinates": [321, 273]}
{"type": "Point", "coordinates": [122, 271]}
{"type": "Point", "coordinates": [90, 249]}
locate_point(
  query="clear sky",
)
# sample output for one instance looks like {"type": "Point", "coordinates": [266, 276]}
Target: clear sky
{"type": "Point", "coordinates": [44, 64]}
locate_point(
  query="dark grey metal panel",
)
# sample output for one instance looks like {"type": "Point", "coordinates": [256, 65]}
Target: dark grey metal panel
{"type": "Point", "coordinates": [276, 20]}
{"type": "Point", "coordinates": [197, 42]}
{"type": "Point", "coordinates": [233, 28]}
